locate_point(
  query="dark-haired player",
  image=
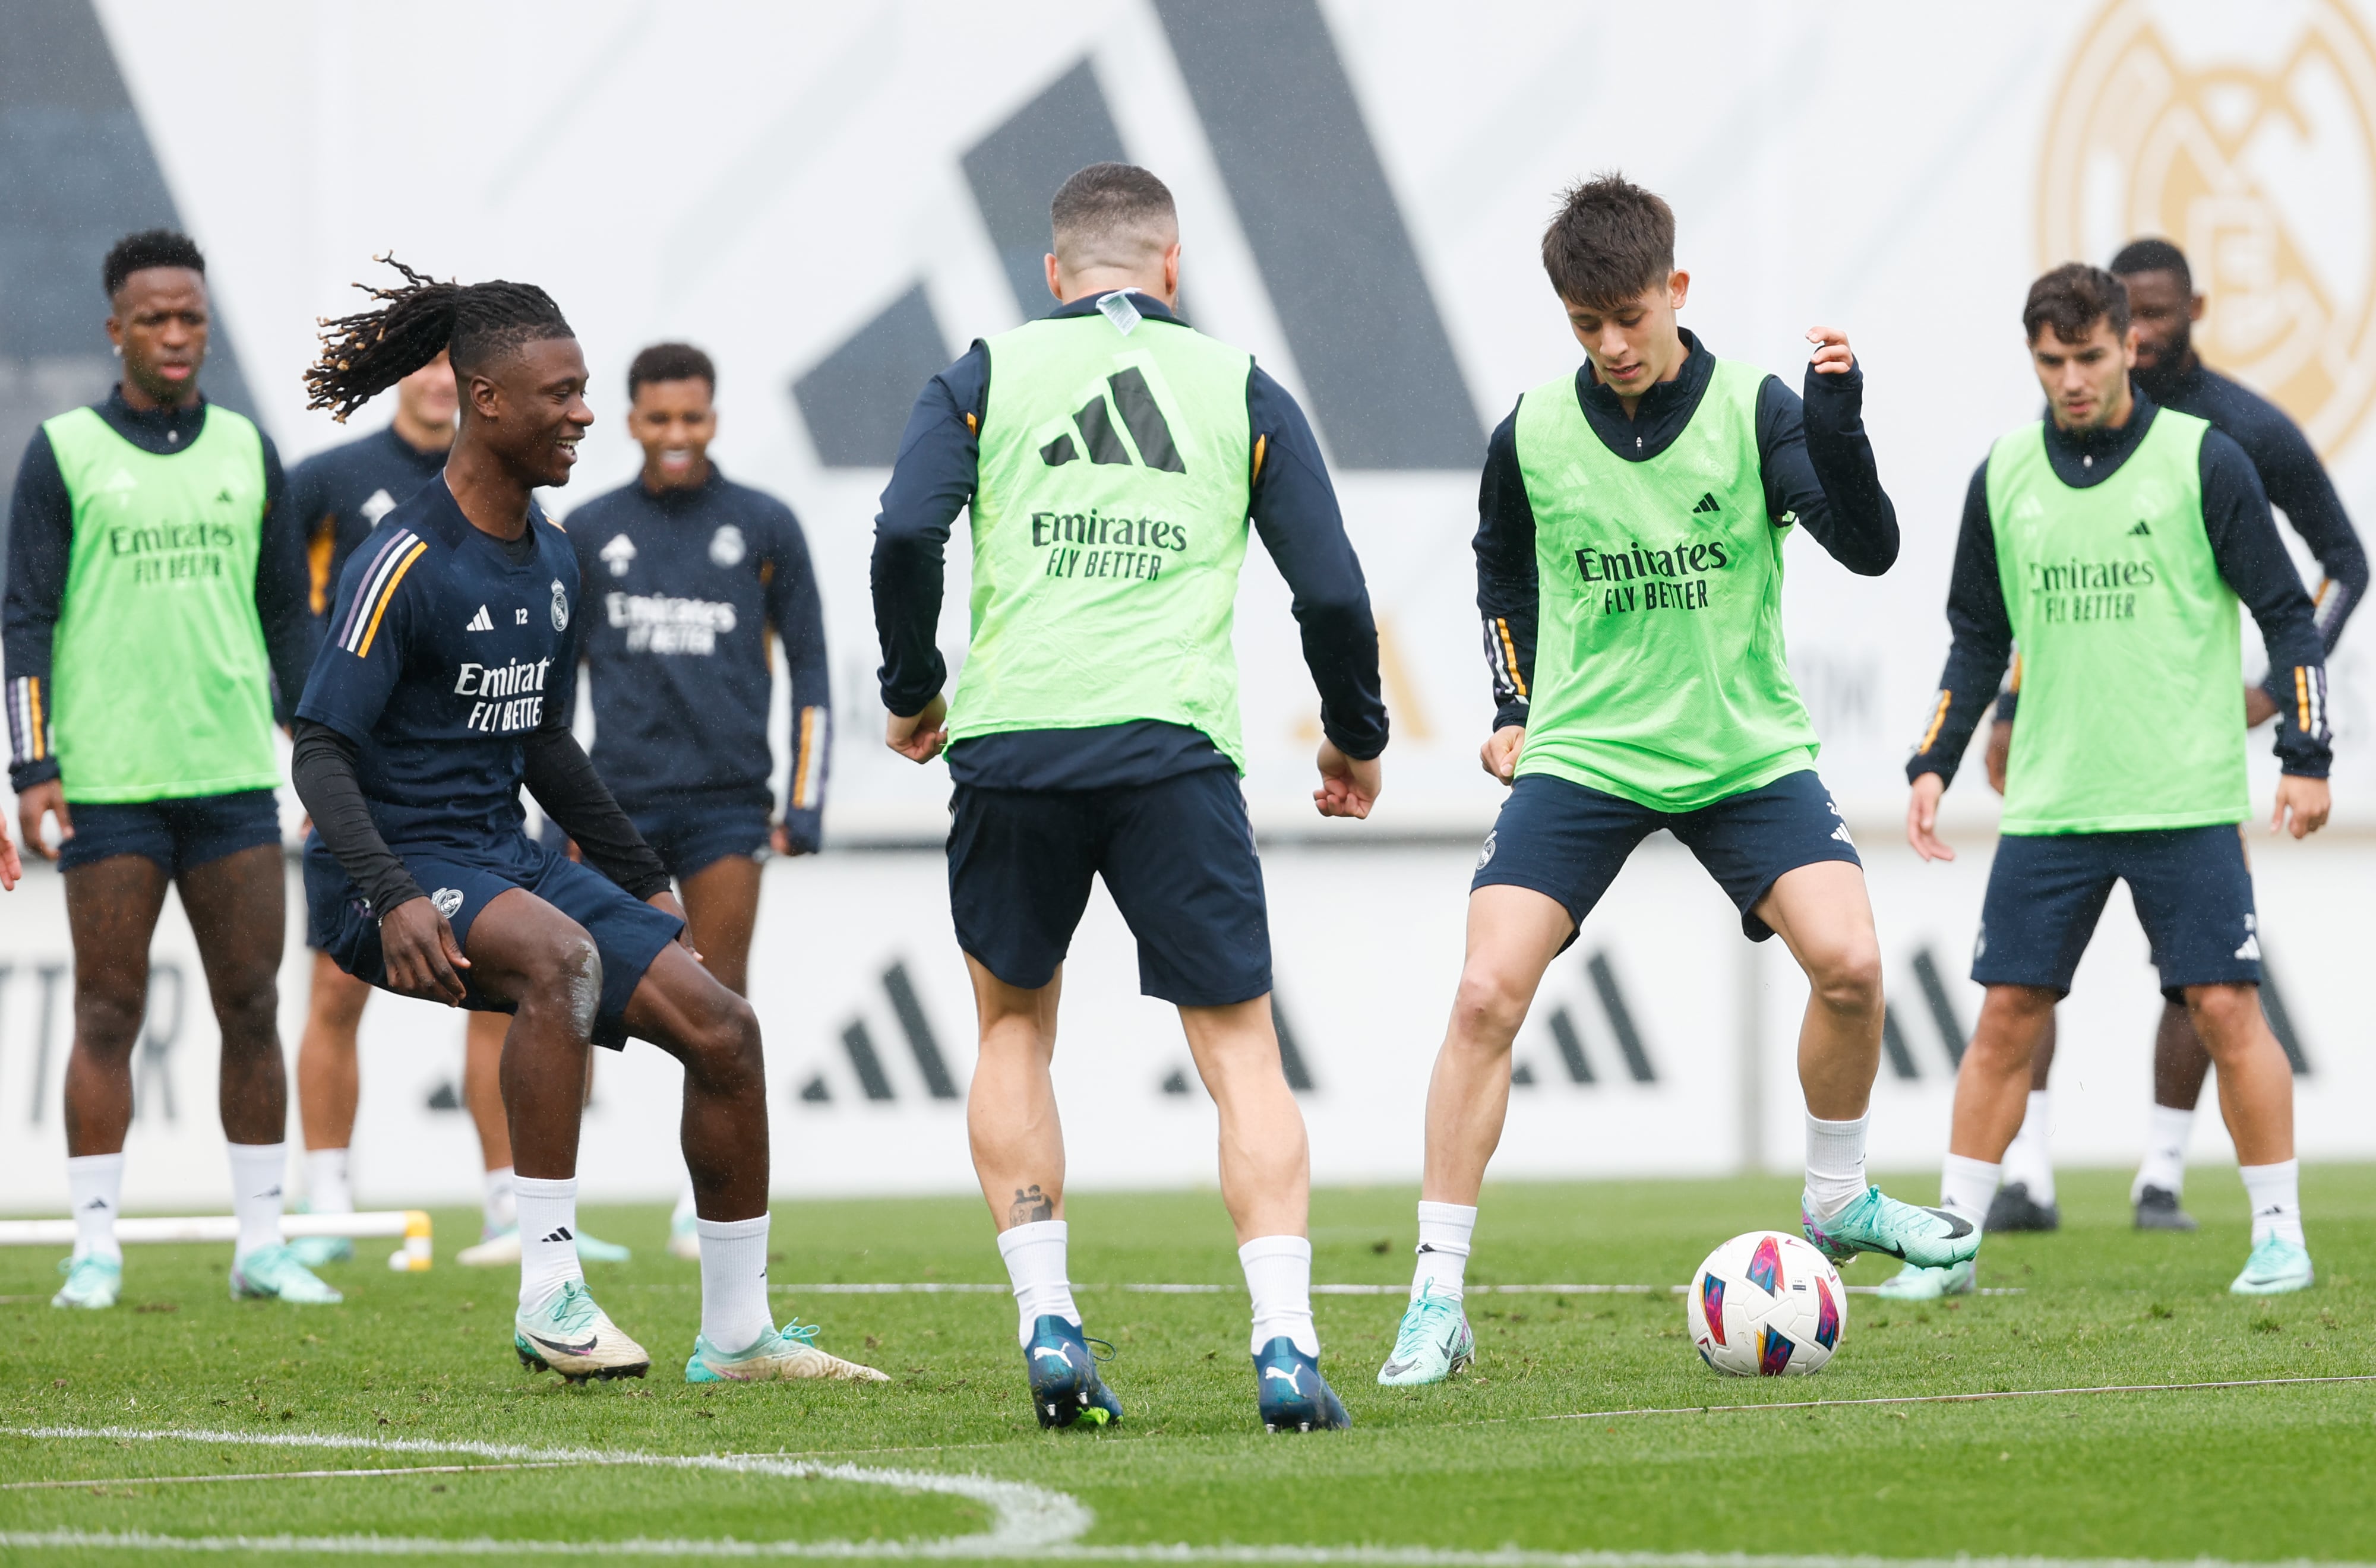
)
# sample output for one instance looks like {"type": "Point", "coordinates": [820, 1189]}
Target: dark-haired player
{"type": "Point", "coordinates": [2163, 308]}
{"type": "Point", "coordinates": [1629, 569]}
{"type": "Point", "coordinates": [446, 686]}
{"type": "Point", "coordinates": [156, 593]}
{"type": "Point", "coordinates": [2113, 541]}
{"type": "Point", "coordinates": [689, 572]}
{"type": "Point", "coordinates": [1112, 457]}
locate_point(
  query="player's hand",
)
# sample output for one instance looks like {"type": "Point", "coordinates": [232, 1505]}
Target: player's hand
{"type": "Point", "coordinates": [1499, 755]}
{"type": "Point", "coordinates": [1832, 356]}
{"type": "Point", "coordinates": [2000, 752]}
{"type": "Point", "coordinates": [1347, 786]}
{"type": "Point", "coordinates": [784, 844]}
{"type": "Point", "coordinates": [920, 738]}
{"type": "Point", "coordinates": [666, 902]}
{"type": "Point", "coordinates": [12, 869]}
{"type": "Point", "coordinates": [1922, 818]}
{"type": "Point", "coordinates": [418, 950]}
{"type": "Point", "coordinates": [2259, 708]}
{"type": "Point", "coordinates": [2306, 800]}
{"type": "Point", "coordinates": [40, 800]}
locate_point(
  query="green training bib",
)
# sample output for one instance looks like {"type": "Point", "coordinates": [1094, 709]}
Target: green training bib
{"type": "Point", "coordinates": [159, 685]}
{"type": "Point", "coordinates": [1108, 524]}
{"type": "Point", "coordinates": [1660, 670]}
{"type": "Point", "coordinates": [2132, 679]}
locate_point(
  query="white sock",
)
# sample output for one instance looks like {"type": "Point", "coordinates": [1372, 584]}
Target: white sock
{"type": "Point", "coordinates": [2275, 1194]}
{"type": "Point", "coordinates": [327, 1191]}
{"type": "Point", "coordinates": [499, 1209]}
{"type": "Point", "coordinates": [1834, 1165]}
{"type": "Point", "coordinates": [95, 1187]}
{"type": "Point", "coordinates": [683, 1214]}
{"type": "Point", "coordinates": [2030, 1159]}
{"type": "Point", "coordinates": [548, 1231]}
{"type": "Point", "coordinates": [1443, 1232]}
{"type": "Point", "coordinates": [1278, 1277]}
{"type": "Point", "coordinates": [2167, 1132]}
{"type": "Point", "coordinates": [1967, 1185]}
{"type": "Point", "coordinates": [735, 1315]}
{"type": "Point", "coordinates": [258, 1171]}
{"type": "Point", "coordinates": [1035, 1262]}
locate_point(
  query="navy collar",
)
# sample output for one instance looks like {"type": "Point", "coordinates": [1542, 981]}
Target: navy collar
{"type": "Point", "coordinates": [676, 501]}
{"type": "Point", "coordinates": [173, 429]}
{"type": "Point", "coordinates": [2082, 458]}
{"type": "Point", "coordinates": [1148, 306]}
{"type": "Point", "coordinates": [1659, 414]}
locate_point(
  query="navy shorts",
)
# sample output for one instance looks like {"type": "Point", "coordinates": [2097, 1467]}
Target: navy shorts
{"type": "Point", "coordinates": [1176, 855]}
{"type": "Point", "coordinates": [2192, 888]}
{"type": "Point", "coordinates": [178, 835]}
{"type": "Point", "coordinates": [690, 838]}
{"type": "Point", "coordinates": [628, 933]}
{"type": "Point", "coordinates": [1568, 842]}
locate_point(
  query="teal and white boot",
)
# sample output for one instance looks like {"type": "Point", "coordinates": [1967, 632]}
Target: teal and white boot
{"type": "Point", "coordinates": [315, 1251]}
{"type": "Point", "coordinates": [1877, 1223]}
{"type": "Point", "coordinates": [571, 1335]}
{"type": "Point", "coordinates": [781, 1355]}
{"type": "Point", "coordinates": [93, 1281]}
{"type": "Point", "coordinates": [2275, 1268]}
{"type": "Point", "coordinates": [1433, 1342]}
{"type": "Point", "coordinates": [1916, 1283]}
{"type": "Point", "coordinates": [273, 1273]}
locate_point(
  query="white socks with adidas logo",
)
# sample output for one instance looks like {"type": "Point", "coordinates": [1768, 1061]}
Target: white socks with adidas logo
{"type": "Point", "coordinates": [1443, 1236]}
{"type": "Point", "coordinates": [548, 1233]}
{"type": "Point", "coordinates": [2276, 1194]}
{"type": "Point", "coordinates": [95, 1187]}
{"type": "Point", "coordinates": [735, 1312]}
{"type": "Point", "coordinates": [258, 1171]}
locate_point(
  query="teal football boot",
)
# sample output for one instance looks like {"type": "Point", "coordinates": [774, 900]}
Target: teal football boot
{"type": "Point", "coordinates": [778, 1357]}
{"type": "Point", "coordinates": [1916, 1283]}
{"type": "Point", "coordinates": [571, 1335]}
{"type": "Point", "coordinates": [1065, 1388]}
{"type": "Point", "coordinates": [92, 1282]}
{"type": "Point", "coordinates": [1291, 1394]}
{"type": "Point", "coordinates": [274, 1273]}
{"type": "Point", "coordinates": [1876, 1223]}
{"type": "Point", "coordinates": [2275, 1268]}
{"type": "Point", "coordinates": [315, 1251]}
{"type": "Point", "coordinates": [1433, 1342]}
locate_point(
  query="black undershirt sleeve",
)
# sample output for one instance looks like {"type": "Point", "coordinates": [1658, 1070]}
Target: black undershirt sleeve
{"type": "Point", "coordinates": [284, 589]}
{"type": "Point", "coordinates": [559, 775]}
{"type": "Point", "coordinates": [2298, 485]}
{"type": "Point", "coordinates": [2252, 561]}
{"type": "Point", "coordinates": [931, 480]}
{"type": "Point", "coordinates": [323, 769]}
{"type": "Point", "coordinates": [1818, 463]}
{"type": "Point", "coordinates": [1509, 586]}
{"type": "Point", "coordinates": [40, 544]}
{"type": "Point", "coordinates": [1982, 631]}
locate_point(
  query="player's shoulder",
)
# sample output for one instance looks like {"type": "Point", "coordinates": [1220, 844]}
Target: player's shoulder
{"type": "Point", "coordinates": [614, 508]}
{"type": "Point", "coordinates": [2254, 420]}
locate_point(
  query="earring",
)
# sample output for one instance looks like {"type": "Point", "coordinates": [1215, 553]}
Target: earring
{"type": "Point", "coordinates": [116, 349]}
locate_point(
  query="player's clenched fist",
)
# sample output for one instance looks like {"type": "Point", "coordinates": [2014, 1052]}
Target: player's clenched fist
{"type": "Point", "coordinates": [1832, 356]}
{"type": "Point", "coordinates": [420, 955]}
{"type": "Point", "coordinates": [1500, 753]}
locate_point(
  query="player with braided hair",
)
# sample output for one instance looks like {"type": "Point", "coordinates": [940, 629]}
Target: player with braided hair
{"type": "Point", "coordinates": [447, 682]}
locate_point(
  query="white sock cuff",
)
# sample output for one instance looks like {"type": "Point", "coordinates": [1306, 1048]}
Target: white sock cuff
{"type": "Point", "coordinates": [1263, 1247]}
{"type": "Point", "coordinates": [545, 1188]}
{"type": "Point", "coordinates": [98, 1164]}
{"type": "Point", "coordinates": [730, 1230]}
{"type": "Point", "coordinates": [1447, 1228]}
{"type": "Point", "coordinates": [2282, 1171]}
{"type": "Point", "coordinates": [1038, 1231]}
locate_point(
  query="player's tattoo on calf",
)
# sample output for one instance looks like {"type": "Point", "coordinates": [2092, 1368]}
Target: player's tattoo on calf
{"type": "Point", "coordinates": [1030, 1207]}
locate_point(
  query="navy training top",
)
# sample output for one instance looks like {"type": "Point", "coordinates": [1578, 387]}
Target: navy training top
{"type": "Point", "coordinates": [441, 655]}
{"type": "Point", "coordinates": [337, 497]}
{"type": "Point", "coordinates": [683, 587]}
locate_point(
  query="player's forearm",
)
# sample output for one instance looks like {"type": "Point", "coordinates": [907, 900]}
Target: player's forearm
{"type": "Point", "coordinates": [324, 772]}
{"type": "Point", "coordinates": [906, 585]}
{"type": "Point", "coordinates": [1830, 478]}
{"type": "Point", "coordinates": [559, 775]}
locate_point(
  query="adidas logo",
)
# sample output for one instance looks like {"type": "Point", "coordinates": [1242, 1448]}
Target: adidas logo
{"type": "Point", "coordinates": [1134, 401]}
{"type": "Point", "coordinates": [1707, 504]}
{"type": "Point", "coordinates": [380, 504]}
{"type": "Point", "coordinates": [481, 622]}
{"type": "Point", "coordinates": [2140, 529]}
{"type": "Point", "coordinates": [222, 496]}
{"type": "Point", "coordinates": [2252, 949]}
{"type": "Point", "coordinates": [95, 1203]}
{"type": "Point", "coordinates": [560, 1233]}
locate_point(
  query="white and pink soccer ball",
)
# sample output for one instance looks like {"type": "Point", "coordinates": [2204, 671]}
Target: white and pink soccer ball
{"type": "Point", "coordinates": [1766, 1305]}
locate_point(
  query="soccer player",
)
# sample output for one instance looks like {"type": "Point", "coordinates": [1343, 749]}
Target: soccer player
{"type": "Point", "coordinates": [691, 572]}
{"type": "Point", "coordinates": [2113, 541]}
{"type": "Point", "coordinates": [155, 595]}
{"type": "Point", "coordinates": [1629, 569]}
{"type": "Point", "coordinates": [2163, 307]}
{"type": "Point", "coordinates": [1112, 457]}
{"type": "Point", "coordinates": [446, 686]}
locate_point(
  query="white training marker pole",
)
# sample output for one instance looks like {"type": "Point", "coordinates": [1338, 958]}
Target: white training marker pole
{"type": "Point", "coordinates": [410, 1224]}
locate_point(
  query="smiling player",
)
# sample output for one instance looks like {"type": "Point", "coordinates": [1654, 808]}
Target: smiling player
{"type": "Point", "coordinates": [1629, 568]}
{"type": "Point", "coordinates": [447, 686]}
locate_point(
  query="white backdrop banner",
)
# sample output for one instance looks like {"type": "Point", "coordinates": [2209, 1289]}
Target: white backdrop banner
{"type": "Point", "coordinates": [1661, 1044]}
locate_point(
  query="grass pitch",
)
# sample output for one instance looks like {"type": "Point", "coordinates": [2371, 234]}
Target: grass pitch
{"type": "Point", "coordinates": [415, 1373]}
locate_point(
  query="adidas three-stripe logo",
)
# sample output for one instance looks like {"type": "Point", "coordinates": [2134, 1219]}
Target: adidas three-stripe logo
{"type": "Point", "coordinates": [1707, 504]}
{"type": "Point", "coordinates": [1134, 400]}
{"type": "Point", "coordinates": [481, 622]}
{"type": "Point", "coordinates": [560, 1233]}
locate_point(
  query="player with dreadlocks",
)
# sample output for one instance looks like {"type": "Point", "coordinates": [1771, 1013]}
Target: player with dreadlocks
{"type": "Point", "coordinates": [448, 683]}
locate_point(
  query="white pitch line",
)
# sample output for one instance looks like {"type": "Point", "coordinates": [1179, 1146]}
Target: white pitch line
{"type": "Point", "coordinates": [942, 1288]}
{"type": "Point", "coordinates": [1934, 1398]}
{"type": "Point", "coordinates": [280, 1476]}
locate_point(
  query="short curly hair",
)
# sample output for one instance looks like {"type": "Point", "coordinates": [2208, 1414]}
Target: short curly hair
{"type": "Point", "coordinates": [150, 247]}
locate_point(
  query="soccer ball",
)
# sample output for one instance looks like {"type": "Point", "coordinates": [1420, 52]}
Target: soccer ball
{"type": "Point", "coordinates": [1766, 1305]}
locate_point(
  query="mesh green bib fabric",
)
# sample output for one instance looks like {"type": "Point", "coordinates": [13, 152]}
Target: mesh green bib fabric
{"type": "Point", "coordinates": [1660, 670]}
{"type": "Point", "coordinates": [159, 687]}
{"type": "Point", "coordinates": [2132, 681]}
{"type": "Point", "coordinates": [1108, 524]}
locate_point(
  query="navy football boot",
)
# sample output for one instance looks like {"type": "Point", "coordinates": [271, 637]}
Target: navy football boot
{"type": "Point", "coordinates": [1065, 1387]}
{"type": "Point", "coordinates": [1293, 1393]}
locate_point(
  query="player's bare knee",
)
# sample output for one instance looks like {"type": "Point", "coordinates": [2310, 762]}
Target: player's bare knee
{"type": "Point", "coordinates": [108, 1026]}
{"type": "Point", "coordinates": [728, 1049]}
{"type": "Point", "coordinates": [2224, 1017]}
{"type": "Point", "coordinates": [1489, 1006]}
{"type": "Point", "coordinates": [247, 1009]}
{"type": "Point", "coordinates": [1848, 978]}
